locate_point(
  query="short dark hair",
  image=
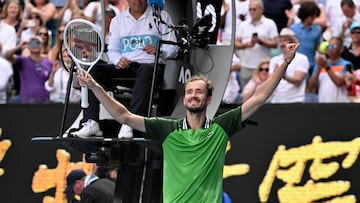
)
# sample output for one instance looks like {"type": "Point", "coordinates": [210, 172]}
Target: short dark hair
{"type": "Point", "coordinates": [308, 8]}
{"type": "Point", "coordinates": [34, 4]}
{"type": "Point", "coordinates": [339, 39]}
{"type": "Point", "coordinates": [349, 3]}
{"type": "Point", "coordinates": [209, 84]}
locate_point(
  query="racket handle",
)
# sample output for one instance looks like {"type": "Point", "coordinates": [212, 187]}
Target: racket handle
{"type": "Point", "coordinates": [84, 97]}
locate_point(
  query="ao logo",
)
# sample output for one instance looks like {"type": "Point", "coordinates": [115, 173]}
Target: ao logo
{"type": "Point", "coordinates": [184, 75]}
{"type": "Point", "coordinates": [210, 9]}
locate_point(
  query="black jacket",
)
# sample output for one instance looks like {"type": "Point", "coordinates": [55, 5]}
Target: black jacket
{"type": "Point", "coordinates": [99, 191]}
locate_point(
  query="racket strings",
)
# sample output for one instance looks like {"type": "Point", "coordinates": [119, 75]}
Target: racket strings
{"type": "Point", "coordinates": [84, 42]}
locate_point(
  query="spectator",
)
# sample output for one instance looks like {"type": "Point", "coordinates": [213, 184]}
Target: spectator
{"type": "Point", "coordinates": [352, 54]}
{"type": "Point", "coordinates": [70, 9]}
{"type": "Point", "coordinates": [90, 188]}
{"type": "Point", "coordinates": [330, 74]}
{"type": "Point", "coordinates": [47, 11]}
{"type": "Point", "coordinates": [279, 11]}
{"type": "Point", "coordinates": [12, 13]}
{"type": "Point", "coordinates": [43, 33]}
{"type": "Point", "coordinates": [53, 54]}
{"type": "Point", "coordinates": [109, 15]}
{"type": "Point", "coordinates": [58, 80]}
{"type": "Point", "coordinates": [232, 91]}
{"type": "Point", "coordinates": [241, 14]}
{"type": "Point", "coordinates": [321, 20]}
{"type": "Point", "coordinates": [7, 41]}
{"type": "Point", "coordinates": [333, 11]}
{"type": "Point", "coordinates": [291, 88]}
{"type": "Point", "coordinates": [93, 11]}
{"type": "Point", "coordinates": [259, 77]}
{"type": "Point", "coordinates": [34, 71]}
{"type": "Point", "coordinates": [308, 33]}
{"type": "Point", "coordinates": [30, 26]}
{"type": "Point", "coordinates": [255, 38]}
{"type": "Point", "coordinates": [129, 61]}
{"type": "Point", "coordinates": [6, 73]}
{"type": "Point", "coordinates": [342, 24]}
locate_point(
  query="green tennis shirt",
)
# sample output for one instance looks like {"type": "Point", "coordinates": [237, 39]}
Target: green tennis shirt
{"type": "Point", "coordinates": [193, 159]}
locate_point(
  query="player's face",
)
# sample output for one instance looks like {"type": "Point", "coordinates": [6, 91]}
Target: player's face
{"type": "Point", "coordinates": [196, 96]}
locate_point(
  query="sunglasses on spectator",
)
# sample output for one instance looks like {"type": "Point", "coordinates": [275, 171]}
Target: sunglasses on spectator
{"type": "Point", "coordinates": [43, 33]}
{"type": "Point", "coordinates": [60, 31]}
{"type": "Point", "coordinates": [355, 32]}
{"type": "Point", "coordinates": [334, 46]}
{"type": "Point", "coordinates": [252, 9]}
{"type": "Point", "coordinates": [34, 43]}
{"type": "Point", "coordinates": [34, 17]}
{"type": "Point", "coordinates": [263, 69]}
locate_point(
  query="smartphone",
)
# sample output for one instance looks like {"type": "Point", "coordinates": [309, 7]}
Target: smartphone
{"type": "Point", "coordinates": [242, 17]}
{"type": "Point", "coordinates": [31, 23]}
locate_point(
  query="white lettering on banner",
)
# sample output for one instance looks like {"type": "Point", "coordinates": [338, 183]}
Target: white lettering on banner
{"type": "Point", "coordinates": [134, 43]}
{"type": "Point", "coordinates": [184, 75]}
{"type": "Point", "coordinates": [210, 9]}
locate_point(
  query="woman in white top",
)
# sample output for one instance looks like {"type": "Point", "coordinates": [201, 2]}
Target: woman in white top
{"type": "Point", "coordinates": [29, 26]}
{"type": "Point", "coordinates": [259, 76]}
{"type": "Point", "coordinates": [56, 85]}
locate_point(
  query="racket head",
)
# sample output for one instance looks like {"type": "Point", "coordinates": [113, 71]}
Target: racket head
{"type": "Point", "coordinates": [83, 41]}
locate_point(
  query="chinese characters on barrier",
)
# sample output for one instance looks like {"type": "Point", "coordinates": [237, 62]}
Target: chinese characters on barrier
{"type": "Point", "coordinates": [234, 169]}
{"type": "Point", "coordinates": [4, 146]}
{"type": "Point", "coordinates": [288, 165]}
{"type": "Point", "coordinates": [45, 179]}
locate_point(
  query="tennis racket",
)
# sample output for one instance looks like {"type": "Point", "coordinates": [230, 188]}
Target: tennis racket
{"type": "Point", "coordinates": [85, 45]}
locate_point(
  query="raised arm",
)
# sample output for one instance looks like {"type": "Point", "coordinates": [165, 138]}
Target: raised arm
{"type": "Point", "coordinates": [263, 92]}
{"type": "Point", "coordinates": [115, 108]}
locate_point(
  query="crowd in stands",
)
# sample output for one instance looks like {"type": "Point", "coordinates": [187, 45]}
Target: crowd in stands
{"type": "Point", "coordinates": [328, 31]}
{"type": "Point", "coordinates": [31, 33]}
{"type": "Point", "coordinates": [326, 67]}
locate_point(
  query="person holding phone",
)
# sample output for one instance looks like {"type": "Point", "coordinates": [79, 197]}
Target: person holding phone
{"type": "Point", "coordinates": [255, 38]}
{"type": "Point", "coordinates": [34, 71]}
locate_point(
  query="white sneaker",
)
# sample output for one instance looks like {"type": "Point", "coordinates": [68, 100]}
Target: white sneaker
{"type": "Point", "coordinates": [90, 128]}
{"type": "Point", "coordinates": [125, 132]}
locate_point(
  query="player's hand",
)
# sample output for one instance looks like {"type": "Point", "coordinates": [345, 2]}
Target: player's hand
{"type": "Point", "coordinates": [85, 79]}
